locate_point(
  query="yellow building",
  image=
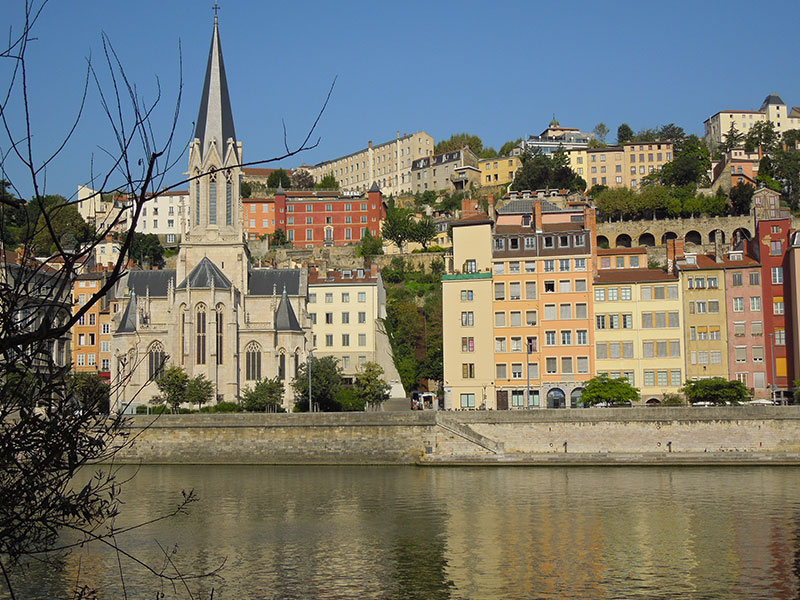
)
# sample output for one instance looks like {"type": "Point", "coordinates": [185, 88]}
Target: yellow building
{"type": "Point", "coordinates": [499, 170]}
{"type": "Point", "coordinates": [638, 329]}
{"type": "Point", "coordinates": [620, 166]}
{"type": "Point", "coordinates": [467, 321]}
{"type": "Point", "coordinates": [773, 109]}
{"type": "Point", "coordinates": [705, 315]}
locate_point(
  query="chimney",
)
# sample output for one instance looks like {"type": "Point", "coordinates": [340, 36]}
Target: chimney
{"type": "Point", "coordinates": [492, 213]}
{"type": "Point", "coordinates": [537, 214]}
{"type": "Point", "coordinates": [370, 144]}
{"type": "Point", "coordinates": [373, 269]}
{"type": "Point", "coordinates": [590, 222]}
{"type": "Point", "coordinates": [674, 253]}
{"type": "Point", "coordinates": [718, 249]}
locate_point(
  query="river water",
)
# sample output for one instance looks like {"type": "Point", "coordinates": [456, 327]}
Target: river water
{"type": "Point", "coordinates": [456, 532]}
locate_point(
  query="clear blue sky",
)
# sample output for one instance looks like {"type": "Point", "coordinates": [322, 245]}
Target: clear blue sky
{"type": "Point", "coordinates": [497, 69]}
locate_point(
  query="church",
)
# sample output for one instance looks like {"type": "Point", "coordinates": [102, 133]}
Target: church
{"type": "Point", "coordinates": [214, 314]}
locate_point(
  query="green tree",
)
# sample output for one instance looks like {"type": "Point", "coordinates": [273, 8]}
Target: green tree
{"type": "Point", "coordinates": [489, 152]}
{"type": "Point", "coordinates": [67, 224]}
{"type": "Point", "coordinates": [716, 390]}
{"type": "Point", "coordinates": [422, 231]}
{"type": "Point", "coordinates": [624, 134]}
{"type": "Point", "coordinates": [404, 327]}
{"type": "Point", "coordinates": [278, 238]}
{"type": "Point", "coordinates": [348, 401]}
{"type": "Point", "coordinates": [601, 131]}
{"type": "Point", "coordinates": [147, 249]}
{"type": "Point", "coordinates": [603, 390]}
{"type": "Point", "coordinates": [265, 394]}
{"type": "Point", "coordinates": [329, 182]}
{"type": "Point", "coordinates": [172, 384]}
{"type": "Point", "coordinates": [540, 172]}
{"type": "Point", "coordinates": [370, 245]}
{"type": "Point", "coordinates": [91, 392]}
{"type": "Point", "coordinates": [733, 139]}
{"type": "Point", "coordinates": [326, 381]}
{"type": "Point", "coordinates": [762, 135]}
{"type": "Point", "coordinates": [786, 167]}
{"type": "Point", "coordinates": [397, 226]}
{"type": "Point", "coordinates": [614, 204]}
{"type": "Point", "coordinates": [459, 140]}
{"type": "Point", "coordinates": [302, 180]}
{"type": "Point", "coordinates": [690, 164]}
{"type": "Point", "coordinates": [369, 385]}
{"type": "Point", "coordinates": [279, 177]}
{"type": "Point", "coordinates": [245, 189]}
{"type": "Point", "coordinates": [508, 147]}
{"type": "Point", "coordinates": [199, 391]}
{"type": "Point", "coordinates": [741, 198]}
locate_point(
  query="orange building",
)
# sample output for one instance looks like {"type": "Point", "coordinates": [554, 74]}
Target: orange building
{"type": "Point", "coordinates": [91, 335]}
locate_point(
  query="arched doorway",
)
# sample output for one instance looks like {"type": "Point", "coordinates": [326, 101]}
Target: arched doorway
{"type": "Point", "coordinates": [647, 239]}
{"type": "Point", "coordinates": [653, 402]}
{"type": "Point", "coordinates": [623, 241]}
{"type": "Point", "coordinates": [556, 398]}
{"type": "Point", "coordinates": [693, 237]}
{"type": "Point", "coordinates": [575, 398]}
{"type": "Point", "coordinates": [602, 241]}
{"type": "Point", "coordinates": [668, 235]}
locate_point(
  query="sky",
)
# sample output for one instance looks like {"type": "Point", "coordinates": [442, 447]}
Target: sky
{"type": "Point", "coordinates": [498, 69]}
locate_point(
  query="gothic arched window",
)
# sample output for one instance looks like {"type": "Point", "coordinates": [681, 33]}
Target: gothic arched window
{"type": "Point", "coordinates": [220, 313]}
{"type": "Point", "coordinates": [155, 361]}
{"type": "Point", "coordinates": [228, 199]}
{"type": "Point", "coordinates": [212, 199]}
{"type": "Point", "coordinates": [184, 343]}
{"type": "Point", "coordinates": [201, 334]}
{"type": "Point", "coordinates": [252, 356]}
{"type": "Point", "coordinates": [282, 365]}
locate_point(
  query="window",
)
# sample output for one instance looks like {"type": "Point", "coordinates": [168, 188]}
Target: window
{"type": "Point", "coordinates": [565, 311]}
{"type": "Point", "coordinates": [600, 321]}
{"type": "Point", "coordinates": [756, 328]}
{"type": "Point", "coordinates": [362, 296]}
{"type": "Point", "coordinates": [582, 337]}
{"type": "Point", "coordinates": [550, 312]}
{"type": "Point", "coordinates": [499, 319]}
{"type": "Point", "coordinates": [499, 268]}
{"type": "Point", "coordinates": [778, 307]}
{"type": "Point", "coordinates": [467, 319]}
{"type": "Point", "coordinates": [329, 339]}
{"type": "Point", "coordinates": [466, 295]}
{"type": "Point", "coordinates": [549, 338]}
{"type": "Point", "coordinates": [549, 266]}
{"type": "Point", "coordinates": [775, 248]}
{"type": "Point", "coordinates": [500, 344]}
{"type": "Point", "coordinates": [516, 318]}
{"type": "Point", "coordinates": [345, 318]}
{"type": "Point", "coordinates": [499, 291]}
{"type": "Point", "coordinates": [551, 364]}
{"type": "Point", "coordinates": [514, 290]}
{"type": "Point", "coordinates": [780, 336]}
{"type": "Point", "coordinates": [563, 264]}
{"type": "Point", "coordinates": [738, 305]}
{"type": "Point", "coordinates": [530, 265]}
{"type": "Point", "coordinates": [755, 278]}
{"type": "Point", "coordinates": [758, 353]}
{"type": "Point", "coordinates": [468, 370]}
{"type": "Point", "coordinates": [530, 290]}
{"type": "Point", "coordinates": [777, 275]}
{"type": "Point", "coordinates": [156, 358]}
{"type": "Point", "coordinates": [736, 279]}
{"type": "Point", "coordinates": [530, 317]}
{"type": "Point", "coordinates": [566, 337]}
{"type": "Point", "coordinates": [564, 286]}
{"type": "Point", "coordinates": [566, 364]}
{"type": "Point", "coordinates": [345, 339]}
{"type": "Point", "coordinates": [647, 292]}
{"type": "Point", "coordinates": [516, 371]}
{"type": "Point", "coordinates": [599, 294]}
{"type": "Point", "coordinates": [362, 339]}
{"type": "Point", "coordinates": [580, 264]}
{"type": "Point", "coordinates": [200, 355]}
{"type": "Point", "coordinates": [467, 400]}
{"type": "Point", "coordinates": [513, 266]}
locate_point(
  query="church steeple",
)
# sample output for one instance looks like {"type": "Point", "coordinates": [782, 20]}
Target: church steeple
{"type": "Point", "coordinates": [215, 119]}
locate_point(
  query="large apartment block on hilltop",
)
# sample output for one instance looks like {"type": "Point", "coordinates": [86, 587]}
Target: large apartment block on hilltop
{"type": "Point", "coordinates": [387, 164]}
{"type": "Point", "coordinates": [447, 171]}
{"type": "Point", "coordinates": [620, 166]}
{"type": "Point", "coordinates": [773, 109]}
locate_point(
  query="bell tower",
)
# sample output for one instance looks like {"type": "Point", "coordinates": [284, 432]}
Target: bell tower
{"type": "Point", "coordinates": [215, 210]}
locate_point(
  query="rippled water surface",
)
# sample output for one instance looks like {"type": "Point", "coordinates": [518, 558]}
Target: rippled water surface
{"type": "Point", "coordinates": [429, 533]}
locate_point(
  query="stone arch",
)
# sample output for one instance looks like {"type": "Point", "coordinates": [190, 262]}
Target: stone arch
{"type": "Point", "coordinates": [693, 237]}
{"type": "Point", "coordinates": [602, 241]}
{"type": "Point", "coordinates": [556, 398]}
{"type": "Point", "coordinates": [647, 239]}
{"type": "Point", "coordinates": [653, 402]}
{"type": "Point", "coordinates": [623, 241]}
{"type": "Point", "coordinates": [741, 233]}
{"type": "Point", "coordinates": [668, 235]}
{"type": "Point", "coordinates": [712, 236]}
{"type": "Point", "coordinates": [575, 397]}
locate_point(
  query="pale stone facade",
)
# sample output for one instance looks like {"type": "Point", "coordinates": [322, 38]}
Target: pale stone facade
{"type": "Point", "coordinates": [213, 315]}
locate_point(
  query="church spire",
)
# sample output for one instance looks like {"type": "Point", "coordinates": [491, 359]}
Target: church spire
{"type": "Point", "coordinates": [216, 117]}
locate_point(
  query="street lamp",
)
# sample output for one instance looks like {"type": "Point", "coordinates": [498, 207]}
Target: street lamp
{"type": "Point", "coordinates": [772, 364]}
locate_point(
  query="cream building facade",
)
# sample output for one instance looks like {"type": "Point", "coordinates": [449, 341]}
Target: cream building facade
{"type": "Point", "coordinates": [213, 315]}
{"type": "Point", "coordinates": [620, 166]}
{"type": "Point", "coordinates": [773, 109]}
{"type": "Point", "coordinates": [387, 164]}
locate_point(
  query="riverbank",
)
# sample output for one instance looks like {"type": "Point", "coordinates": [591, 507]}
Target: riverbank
{"type": "Point", "coordinates": [622, 436]}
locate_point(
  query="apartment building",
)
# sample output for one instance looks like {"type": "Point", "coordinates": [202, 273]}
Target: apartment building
{"type": "Point", "coordinates": [553, 138]}
{"type": "Point", "coordinates": [499, 170]}
{"type": "Point", "coordinates": [346, 307]}
{"type": "Point", "coordinates": [737, 166]}
{"type": "Point", "coordinates": [259, 217]}
{"type": "Point", "coordinates": [443, 172]}
{"type": "Point", "coordinates": [620, 166]}
{"type": "Point", "coordinates": [91, 335]}
{"type": "Point", "coordinates": [387, 164]}
{"type": "Point", "coordinates": [638, 323]}
{"type": "Point", "coordinates": [773, 109]}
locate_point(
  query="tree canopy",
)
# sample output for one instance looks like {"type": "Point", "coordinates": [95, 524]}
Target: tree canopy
{"type": "Point", "coordinates": [326, 381]}
{"type": "Point", "coordinates": [145, 249]}
{"type": "Point", "coordinates": [69, 227]}
{"type": "Point", "coordinates": [540, 172]}
{"type": "Point", "coordinates": [397, 226]}
{"type": "Point", "coordinates": [266, 394]}
{"type": "Point", "coordinates": [370, 245]}
{"type": "Point", "coordinates": [279, 177]}
{"type": "Point", "coordinates": [459, 140]}
{"type": "Point", "coordinates": [302, 180]}
{"type": "Point", "coordinates": [508, 147]}
{"type": "Point", "coordinates": [601, 131]}
{"type": "Point", "coordinates": [328, 182]}
{"type": "Point", "coordinates": [656, 201]}
{"type": "Point", "coordinates": [604, 390]}
{"type": "Point", "coordinates": [624, 134]}
{"type": "Point", "coordinates": [716, 390]}
{"type": "Point", "coordinates": [369, 385]}
{"type": "Point", "coordinates": [278, 238]}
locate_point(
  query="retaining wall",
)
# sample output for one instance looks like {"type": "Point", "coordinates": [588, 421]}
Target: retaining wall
{"type": "Point", "coordinates": [526, 436]}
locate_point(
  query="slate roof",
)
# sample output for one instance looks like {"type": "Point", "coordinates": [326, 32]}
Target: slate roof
{"type": "Point", "coordinates": [772, 99]}
{"type": "Point", "coordinates": [265, 282]}
{"type": "Point", "coordinates": [525, 207]}
{"type": "Point", "coordinates": [285, 319]}
{"type": "Point", "coordinates": [215, 118]}
{"type": "Point", "coordinates": [374, 187]}
{"type": "Point", "coordinates": [204, 274]}
{"type": "Point", "coordinates": [128, 322]}
{"type": "Point", "coordinates": [156, 281]}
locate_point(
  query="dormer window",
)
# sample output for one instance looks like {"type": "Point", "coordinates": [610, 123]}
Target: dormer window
{"type": "Point", "coordinates": [548, 242]}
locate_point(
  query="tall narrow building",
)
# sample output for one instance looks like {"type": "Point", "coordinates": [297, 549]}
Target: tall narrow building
{"type": "Point", "coordinates": [214, 315]}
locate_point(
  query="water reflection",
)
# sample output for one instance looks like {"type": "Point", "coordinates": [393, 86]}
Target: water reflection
{"type": "Point", "coordinates": [405, 532]}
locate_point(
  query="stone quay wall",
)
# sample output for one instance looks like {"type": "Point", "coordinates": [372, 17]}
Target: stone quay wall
{"type": "Point", "coordinates": [528, 437]}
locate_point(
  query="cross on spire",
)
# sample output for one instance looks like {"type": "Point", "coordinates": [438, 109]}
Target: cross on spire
{"type": "Point", "coordinates": [215, 8]}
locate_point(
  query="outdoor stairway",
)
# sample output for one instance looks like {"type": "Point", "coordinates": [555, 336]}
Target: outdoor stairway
{"type": "Point", "coordinates": [466, 432]}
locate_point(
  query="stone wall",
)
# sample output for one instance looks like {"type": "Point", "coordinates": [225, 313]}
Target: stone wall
{"type": "Point", "coordinates": [405, 438]}
{"type": "Point", "coordinates": [657, 228]}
